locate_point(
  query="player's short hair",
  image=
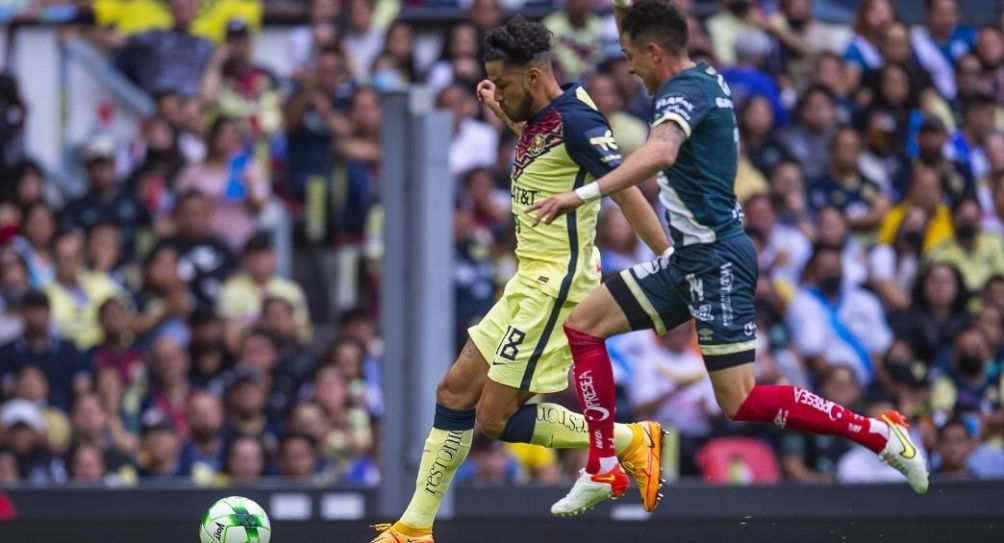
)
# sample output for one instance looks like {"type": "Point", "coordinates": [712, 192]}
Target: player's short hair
{"type": "Point", "coordinates": [518, 41]}
{"type": "Point", "coordinates": [659, 21]}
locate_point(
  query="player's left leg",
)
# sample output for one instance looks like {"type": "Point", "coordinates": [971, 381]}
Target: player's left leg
{"type": "Point", "coordinates": [800, 409]}
{"type": "Point", "coordinates": [532, 358]}
{"type": "Point", "coordinates": [726, 335]}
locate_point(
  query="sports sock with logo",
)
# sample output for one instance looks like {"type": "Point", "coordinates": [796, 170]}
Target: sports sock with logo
{"type": "Point", "coordinates": [594, 384]}
{"type": "Point", "coordinates": [445, 449]}
{"type": "Point", "coordinates": [551, 425]}
{"type": "Point", "coordinates": [799, 409]}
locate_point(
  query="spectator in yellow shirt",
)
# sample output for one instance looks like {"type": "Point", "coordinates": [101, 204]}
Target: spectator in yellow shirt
{"type": "Point", "coordinates": [925, 193]}
{"type": "Point", "coordinates": [578, 39]}
{"type": "Point", "coordinates": [240, 299]}
{"type": "Point", "coordinates": [128, 17]}
{"type": "Point", "coordinates": [978, 254]}
{"type": "Point", "coordinates": [76, 293]}
{"type": "Point", "coordinates": [540, 463]}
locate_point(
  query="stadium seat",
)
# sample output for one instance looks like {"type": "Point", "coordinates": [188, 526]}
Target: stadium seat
{"type": "Point", "coordinates": [738, 460]}
{"type": "Point", "coordinates": [7, 511]}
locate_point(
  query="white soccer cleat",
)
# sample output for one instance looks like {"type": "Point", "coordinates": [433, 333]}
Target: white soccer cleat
{"type": "Point", "coordinates": [902, 453]}
{"type": "Point", "coordinates": [590, 489]}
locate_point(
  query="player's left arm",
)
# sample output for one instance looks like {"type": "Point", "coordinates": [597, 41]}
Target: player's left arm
{"type": "Point", "coordinates": [658, 153]}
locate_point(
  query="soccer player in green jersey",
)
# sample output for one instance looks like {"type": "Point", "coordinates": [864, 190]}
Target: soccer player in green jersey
{"type": "Point", "coordinates": [710, 277]}
{"type": "Point", "coordinates": [518, 350]}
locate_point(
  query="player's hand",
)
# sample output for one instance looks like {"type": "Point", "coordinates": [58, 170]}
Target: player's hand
{"type": "Point", "coordinates": [485, 91]}
{"type": "Point", "coordinates": [554, 207]}
{"type": "Point", "coordinates": [486, 95]}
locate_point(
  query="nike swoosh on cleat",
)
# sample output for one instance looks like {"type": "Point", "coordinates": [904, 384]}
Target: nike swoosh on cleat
{"type": "Point", "coordinates": [605, 479]}
{"type": "Point", "coordinates": [908, 451]}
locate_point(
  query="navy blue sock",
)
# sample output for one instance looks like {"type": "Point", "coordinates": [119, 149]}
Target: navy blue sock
{"type": "Point", "coordinates": [519, 427]}
{"type": "Point", "coordinates": [451, 419]}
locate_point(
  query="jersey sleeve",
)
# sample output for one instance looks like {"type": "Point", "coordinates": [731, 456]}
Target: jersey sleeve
{"type": "Point", "coordinates": [590, 141]}
{"type": "Point", "coordinates": [682, 102]}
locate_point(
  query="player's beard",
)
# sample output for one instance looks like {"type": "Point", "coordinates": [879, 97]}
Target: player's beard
{"type": "Point", "coordinates": [524, 110]}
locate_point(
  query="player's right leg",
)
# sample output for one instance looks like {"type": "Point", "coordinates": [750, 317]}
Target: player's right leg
{"type": "Point", "coordinates": [618, 306]}
{"type": "Point", "coordinates": [445, 449]}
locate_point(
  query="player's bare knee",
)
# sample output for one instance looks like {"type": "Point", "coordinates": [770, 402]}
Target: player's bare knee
{"type": "Point", "coordinates": [729, 400]}
{"type": "Point", "coordinates": [491, 424]}
{"type": "Point", "coordinates": [580, 321]}
{"type": "Point", "coordinates": [451, 394]}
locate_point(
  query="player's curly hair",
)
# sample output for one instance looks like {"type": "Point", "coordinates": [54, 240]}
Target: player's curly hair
{"type": "Point", "coordinates": [518, 41]}
{"type": "Point", "coordinates": [660, 21]}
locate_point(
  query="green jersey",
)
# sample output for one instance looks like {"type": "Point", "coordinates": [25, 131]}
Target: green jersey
{"type": "Point", "coordinates": [698, 190]}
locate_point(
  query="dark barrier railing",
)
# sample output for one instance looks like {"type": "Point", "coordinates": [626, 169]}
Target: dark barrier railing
{"type": "Point", "coordinates": [949, 513]}
{"type": "Point", "coordinates": [683, 501]}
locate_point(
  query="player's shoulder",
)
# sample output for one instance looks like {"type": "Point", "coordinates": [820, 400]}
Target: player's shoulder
{"type": "Point", "coordinates": [700, 79]}
{"type": "Point", "coordinates": [579, 114]}
{"type": "Point", "coordinates": [576, 106]}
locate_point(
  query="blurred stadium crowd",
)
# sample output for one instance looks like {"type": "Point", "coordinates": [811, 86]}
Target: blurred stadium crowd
{"type": "Point", "coordinates": [159, 326]}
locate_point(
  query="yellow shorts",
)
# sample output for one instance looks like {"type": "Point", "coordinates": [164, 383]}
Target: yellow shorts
{"type": "Point", "coordinates": [522, 340]}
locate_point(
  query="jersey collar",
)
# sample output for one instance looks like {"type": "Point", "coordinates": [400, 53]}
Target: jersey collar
{"type": "Point", "coordinates": [699, 67]}
{"type": "Point", "coordinates": [568, 88]}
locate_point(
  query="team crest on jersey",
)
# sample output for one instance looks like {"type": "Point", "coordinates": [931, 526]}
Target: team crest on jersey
{"type": "Point", "coordinates": [537, 147]}
{"type": "Point", "coordinates": [536, 139]}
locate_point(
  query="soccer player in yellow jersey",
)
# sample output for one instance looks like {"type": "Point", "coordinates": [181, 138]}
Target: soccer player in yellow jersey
{"type": "Point", "coordinates": [518, 349]}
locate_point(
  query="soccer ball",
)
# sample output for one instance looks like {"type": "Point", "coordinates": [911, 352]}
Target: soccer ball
{"type": "Point", "coordinates": [235, 520]}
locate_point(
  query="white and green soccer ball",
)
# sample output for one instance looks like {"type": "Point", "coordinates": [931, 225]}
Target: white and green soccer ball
{"type": "Point", "coordinates": [235, 520]}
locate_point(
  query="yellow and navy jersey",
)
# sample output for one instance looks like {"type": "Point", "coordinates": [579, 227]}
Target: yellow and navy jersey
{"type": "Point", "coordinates": [564, 146]}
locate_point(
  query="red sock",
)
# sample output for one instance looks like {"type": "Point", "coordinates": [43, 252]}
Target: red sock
{"type": "Point", "coordinates": [797, 408]}
{"type": "Point", "coordinates": [594, 384]}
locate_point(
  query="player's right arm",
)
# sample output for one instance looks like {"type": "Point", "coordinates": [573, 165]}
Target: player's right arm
{"type": "Point", "coordinates": [658, 153]}
{"type": "Point", "coordinates": [486, 95]}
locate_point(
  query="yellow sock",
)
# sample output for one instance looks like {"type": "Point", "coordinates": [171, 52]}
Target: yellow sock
{"type": "Point", "coordinates": [444, 451]}
{"type": "Point", "coordinates": [559, 428]}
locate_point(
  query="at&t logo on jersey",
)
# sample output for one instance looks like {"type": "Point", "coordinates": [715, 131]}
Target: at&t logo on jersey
{"type": "Point", "coordinates": [522, 196]}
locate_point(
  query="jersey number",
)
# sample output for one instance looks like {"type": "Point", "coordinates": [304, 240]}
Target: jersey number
{"type": "Point", "coordinates": [509, 348]}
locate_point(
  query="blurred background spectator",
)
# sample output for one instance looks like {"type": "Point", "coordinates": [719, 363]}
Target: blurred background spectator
{"type": "Point", "coordinates": [194, 295]}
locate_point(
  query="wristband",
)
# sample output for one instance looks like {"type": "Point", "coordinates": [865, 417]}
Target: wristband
{"type": "Point", "coordinates": [622, 3]}
{"type": "Point", "coordinates": [589, 192]}
{"type": "Point", "coordinates": [668, 252]}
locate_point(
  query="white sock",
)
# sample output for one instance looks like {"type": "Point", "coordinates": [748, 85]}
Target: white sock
{"type": "Point", "coordinates": [608, 463]}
